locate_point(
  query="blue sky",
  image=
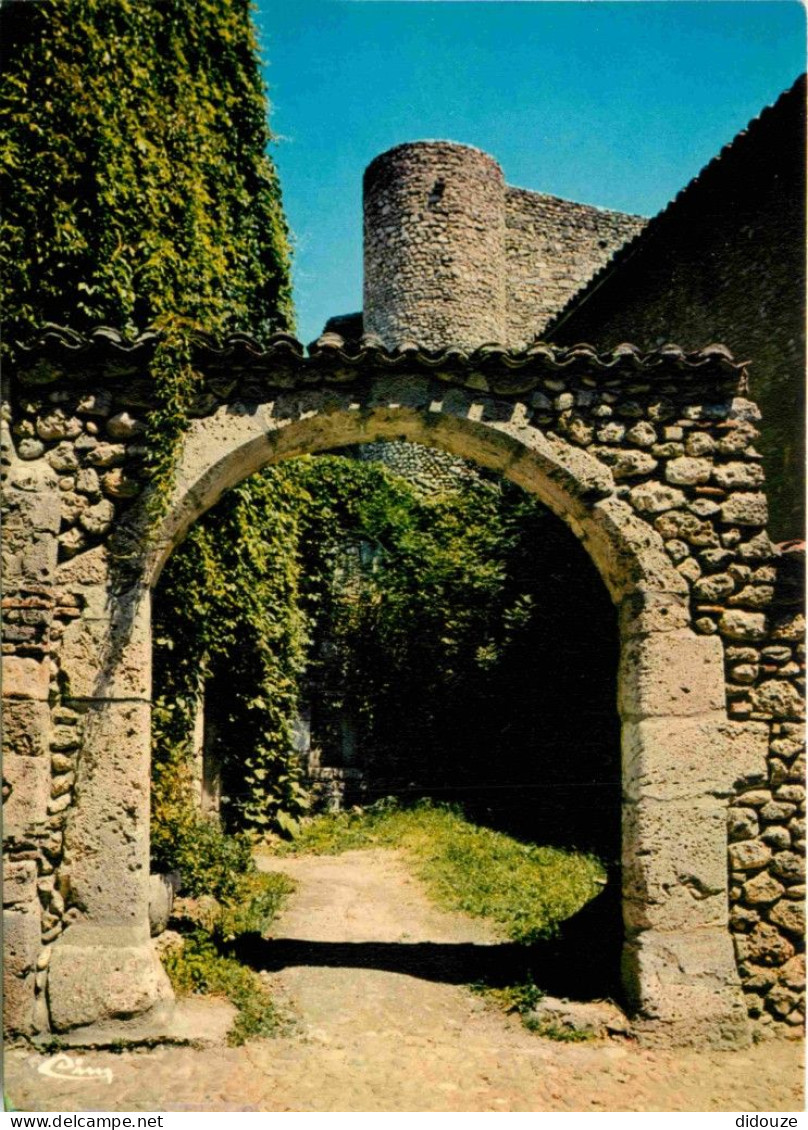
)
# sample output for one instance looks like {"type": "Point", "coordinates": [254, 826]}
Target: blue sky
{"type": "Point", "coordinates": [617, 104]}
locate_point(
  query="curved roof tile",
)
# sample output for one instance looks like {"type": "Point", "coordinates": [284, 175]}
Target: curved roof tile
{"type": "Point", "coordinates": [282, 359]}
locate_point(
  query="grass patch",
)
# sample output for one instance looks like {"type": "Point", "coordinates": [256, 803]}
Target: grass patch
{"type": "Point", "coordinates": [255, 905]}
{"type": "Point", "coordinates": [523, 998]}
{"type": "Point", "coordinates": [525, 889]}
{"type": "Point", "coordinates": [204, 963]}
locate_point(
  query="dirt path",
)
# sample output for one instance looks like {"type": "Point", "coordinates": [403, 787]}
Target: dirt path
{"type": "Point", "coordinates": [374, 1036]}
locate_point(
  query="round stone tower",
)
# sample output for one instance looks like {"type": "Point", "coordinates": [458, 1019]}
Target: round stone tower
{"type": "Point", "coordinates": [434, 217]}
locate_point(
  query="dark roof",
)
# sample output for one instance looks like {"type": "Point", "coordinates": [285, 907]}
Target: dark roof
{"type": "Point", "coordinates": [349, 326]}
{"type": "Point", "coordinates": [748, 149]}
{"type": "Point", "coordinates": [282, 361]}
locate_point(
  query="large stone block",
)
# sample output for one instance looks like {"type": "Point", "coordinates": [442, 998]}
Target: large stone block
{"type": "Point", "coordinates": [88, 983]}
{"type": "Point", "coordinates": [670, 674]}
{"type": "Point", "coordinates": [21, 939]}
{"type": "Point", "coordinates": [32, 512]}
{"type": "Point", "coordinates": [674, 865]}
{"type": "Point", "coordinates": [89, 570]}
{"type": "Point", "coordinates": [26, 727]}
{"type": "Point", "coordinates": [30, 559]}
{"type": "Point", "coordinates": [109, 657]}
{"type": "Point", "coordinates": [684, 987]}
{"type": "Point", "coordinates": [629, 553]}
{"type": "Point", "coordinates": [107, 833]}
{"type": "Point", "coordinates": [25, 678]}
{"type": "Point", "coordinates": [644, 613]}
{"type": "Point", "coordinates": [18, 1004]}
{"type": "Point", "coordinates": [677, 758]}
{"type": "Point", "coordinates": [21, 944]}
{"type": "Point", "coordinates": [27, 802]}
{"type": "Point", "coordinates": [34, 509]}
{"type": "Point", "coordinates": [19, 883]}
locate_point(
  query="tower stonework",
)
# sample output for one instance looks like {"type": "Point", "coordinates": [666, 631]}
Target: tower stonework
{"type": "Point", "coordinates": [434, 218]}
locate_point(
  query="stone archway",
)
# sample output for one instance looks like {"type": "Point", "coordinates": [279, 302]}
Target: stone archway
{"type": "Point", "coordinates": [537, 427]}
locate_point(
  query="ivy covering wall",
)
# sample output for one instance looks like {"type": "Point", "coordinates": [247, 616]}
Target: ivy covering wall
{"type": "Point", "coordinates": [138, 193]}
{"type": "Point", "coordinates": [135, 180]}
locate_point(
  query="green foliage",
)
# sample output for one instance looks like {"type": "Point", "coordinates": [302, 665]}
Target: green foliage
{"type": "Point", "coordinates": [209, 861]}
{"type": "Point", "coordinates": [201, 967]}
{"type": "Point", "coordinates": [441, 635]}
{"type": "Point", "coordinates": [521, 997]}
{"type": "Point", "coordinates": [244, 602]}
{"type": "Point", "coordinates": [466, 641]}
{"type": "Point", "coordinates": [526, 889]}
{"type": "Point", "coordinates": [557, 1032]}
{"type": "Point", "coordinates": [229, 605]}
{"type": "Point", "coordinates": [135, 180]}
{"type": "Point", "coordinates": [255, 905]}
{"type": "Point", "coordinates": [204, 963]}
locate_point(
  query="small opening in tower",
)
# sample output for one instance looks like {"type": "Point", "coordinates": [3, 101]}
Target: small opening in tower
{"type": "Point", "coordinates": [436, 195]}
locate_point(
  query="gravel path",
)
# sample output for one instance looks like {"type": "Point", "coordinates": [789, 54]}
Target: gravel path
{"type": "Point", "coordinates": [371, 1035]}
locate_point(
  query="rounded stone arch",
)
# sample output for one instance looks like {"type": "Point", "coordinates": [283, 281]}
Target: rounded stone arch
{"type": "Point", "coordinates": [495, 433]}
{"type": "Point", "coordinates": [678, 966]}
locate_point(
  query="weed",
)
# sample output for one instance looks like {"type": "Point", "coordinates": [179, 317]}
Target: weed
{"type": "Point", "coordinates": [49, 1045]}
{"type": "Point", "coordinates": [521, 997]}
{"type": "Point", "coordinates": [201, 967]}
{"type": "Point", "coordinates": [552, 1031]}
{"type": "Point", "coordinates": [204, 964]}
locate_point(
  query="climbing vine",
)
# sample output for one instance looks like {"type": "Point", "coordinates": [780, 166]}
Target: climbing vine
{"type": "Point", "coordinates": [229, 601]}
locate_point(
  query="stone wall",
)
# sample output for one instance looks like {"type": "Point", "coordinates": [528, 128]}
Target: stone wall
{"type": "Point", "coordinates": [553, 247]}
{"type": "Point", "coordinates": [726, 262]}
{"type": "Point", "coordinates": [767, 819]}
{"type": "Point", "coordinates": [453, 256]}
{"type": "Point", "coordinates": [431, 470]}
{"type": "Point", "coordinates": [72, 461]}
{"type": "Point", "coordinates": [652, 461]}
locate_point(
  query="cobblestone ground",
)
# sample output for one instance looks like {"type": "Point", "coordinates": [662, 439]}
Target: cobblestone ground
{"type": "Point", "coordinates": [374, 1038]}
